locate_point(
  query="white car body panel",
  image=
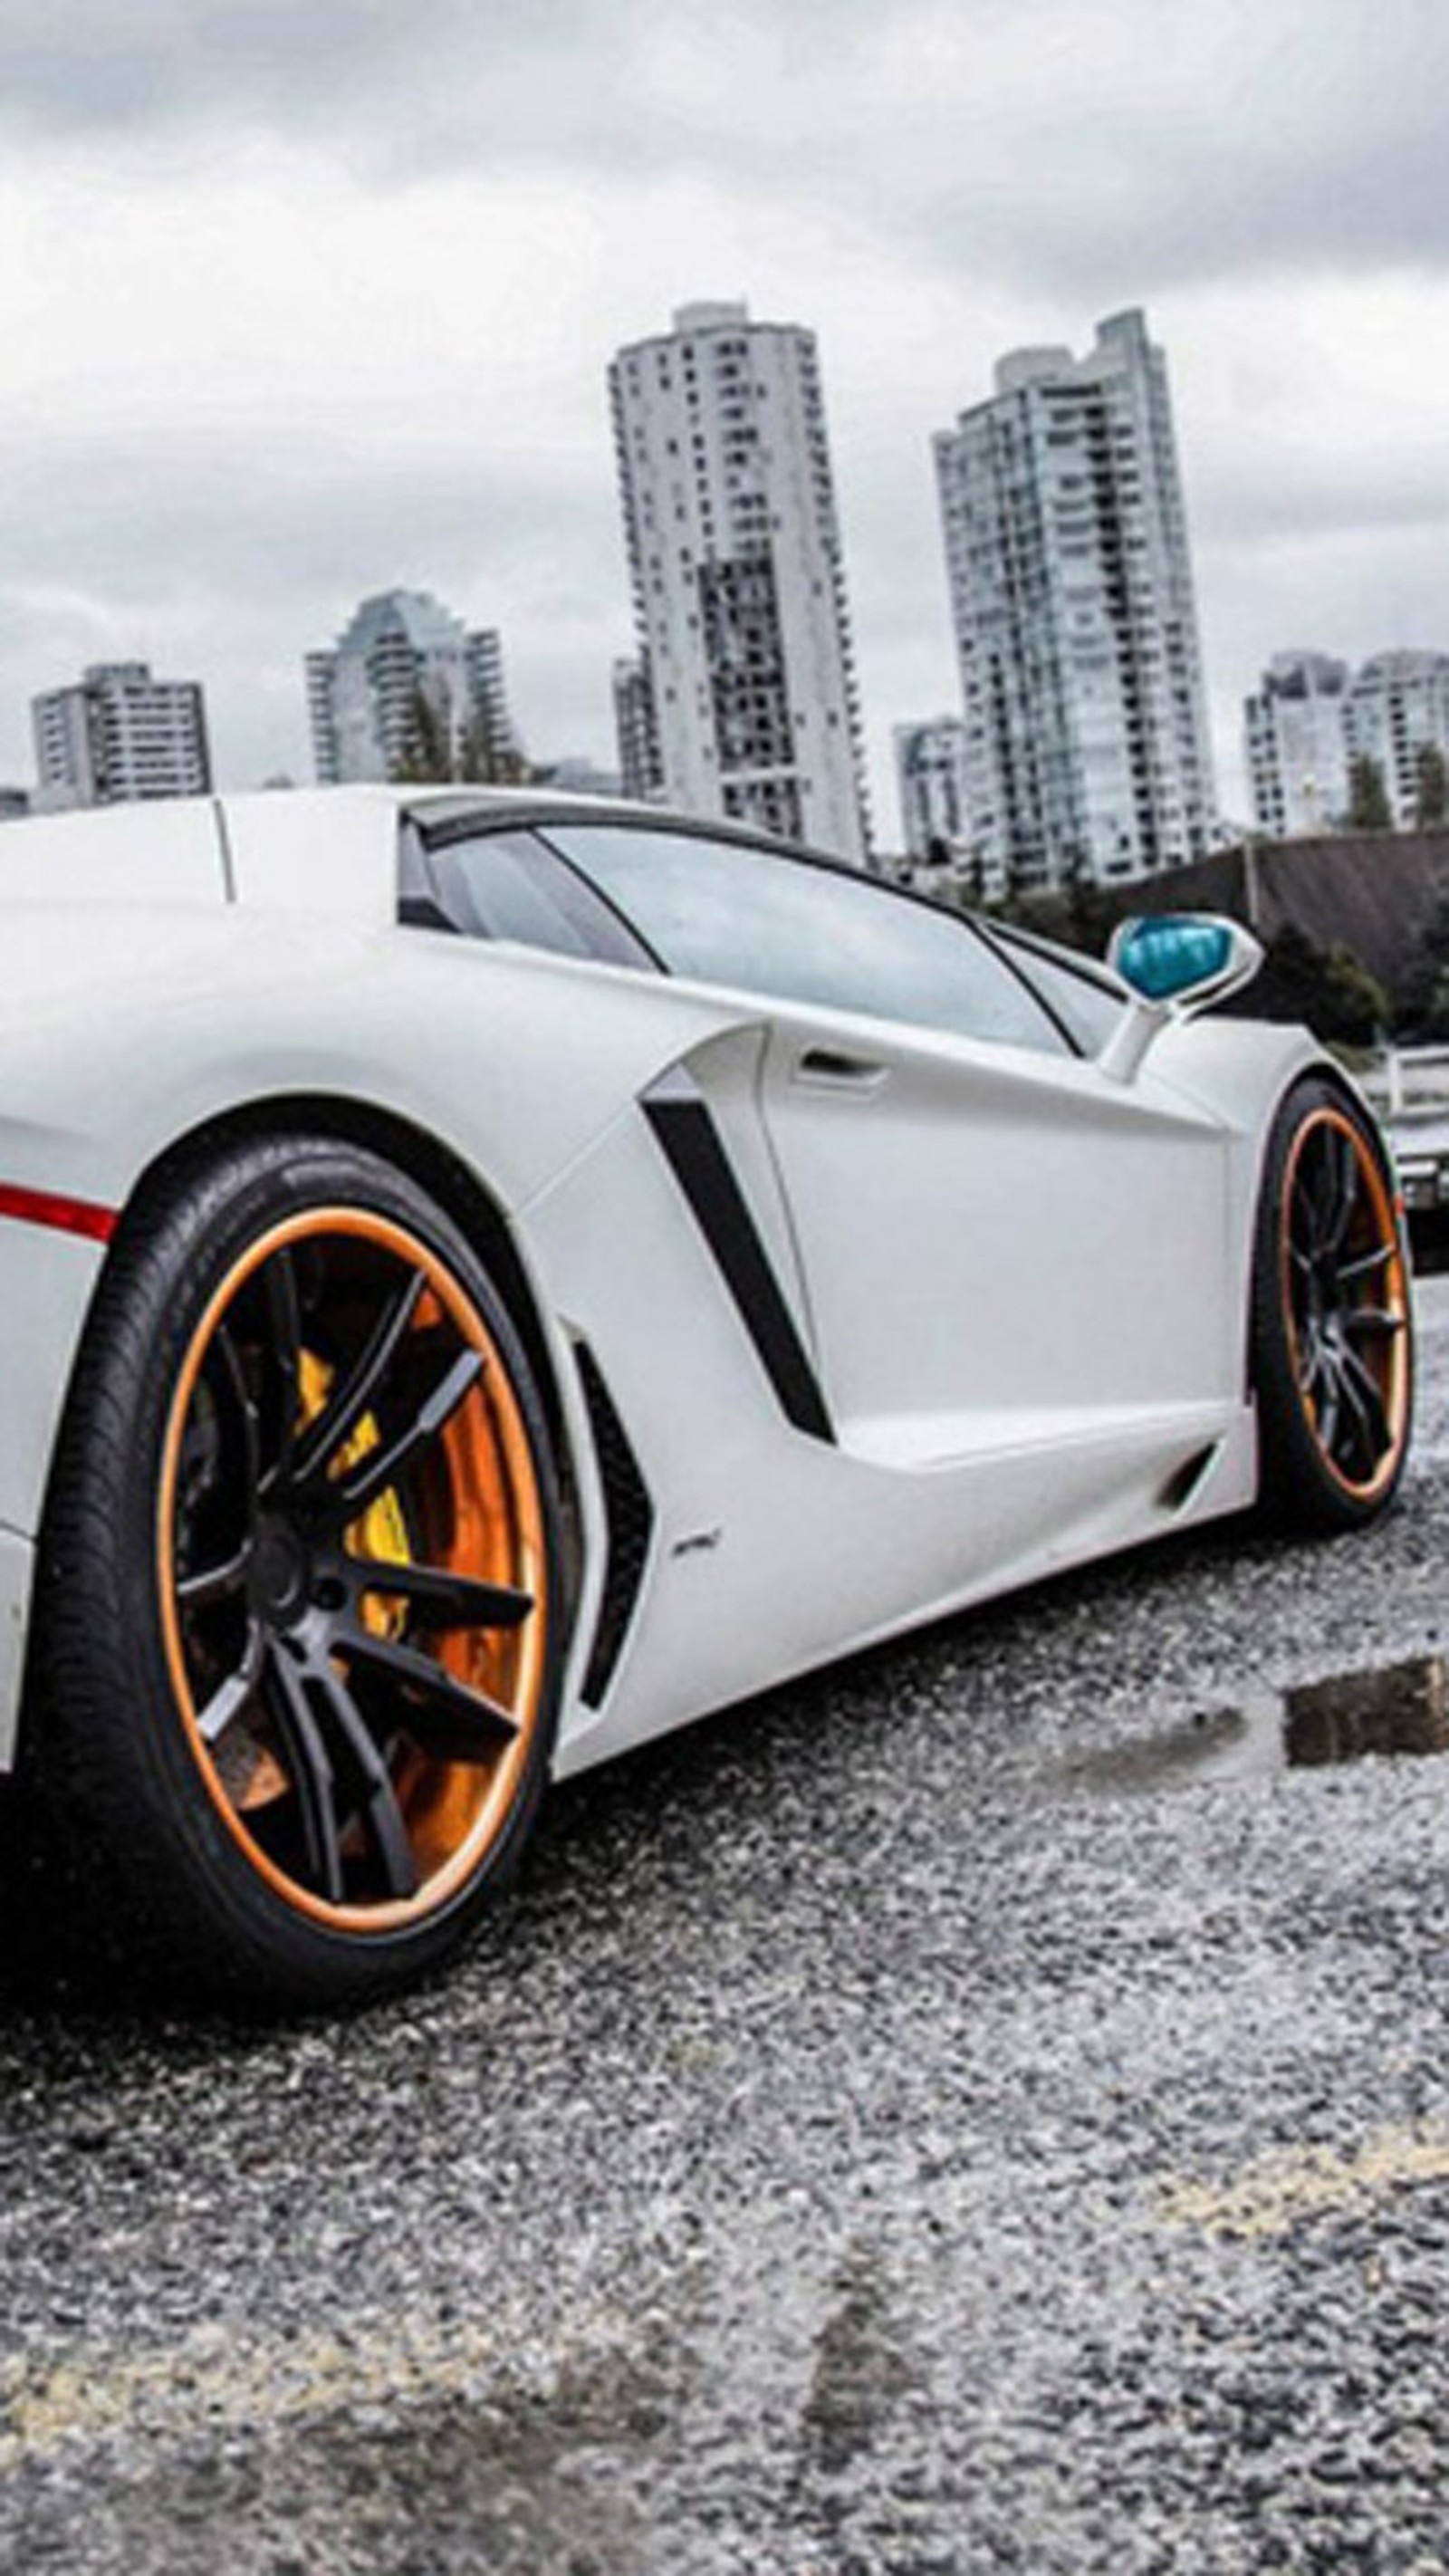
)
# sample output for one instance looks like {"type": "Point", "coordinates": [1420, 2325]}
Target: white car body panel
{"type": "Point", "coordinates": [773, 1551]}
{"type": "Point", "coordinates": [163, 853]}
{"type": "Point", "coordinates": [948, 1144]}
{"type": "Point", "coordinates": [318, 854]}
{"type": "Point", "coordinates": [999, 1409]}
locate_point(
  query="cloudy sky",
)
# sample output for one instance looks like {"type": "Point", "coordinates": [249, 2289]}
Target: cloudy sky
{"type": "Point", "coordinates": [305, 298]}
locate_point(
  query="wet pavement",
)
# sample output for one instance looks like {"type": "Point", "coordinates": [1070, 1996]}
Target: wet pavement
{"type": "Point", "coordinates": [984, 2109]}
{"type": "Point", "coordinates": [1388, 1710]}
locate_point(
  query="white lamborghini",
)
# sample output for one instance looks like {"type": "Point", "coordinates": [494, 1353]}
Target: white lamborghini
{"type": "Point", "coordinates": [486, 1278]}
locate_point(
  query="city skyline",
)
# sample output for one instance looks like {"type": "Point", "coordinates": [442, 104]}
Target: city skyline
{"type": "Point", "coordinates": [1293, 738]}
{"type": "Point", "coordinates": [209, 451]}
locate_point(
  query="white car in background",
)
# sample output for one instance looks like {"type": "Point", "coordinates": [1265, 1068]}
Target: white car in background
{"type": "Point", "coordinates": [1409, 1090]}
{"type": "Point", "coordinates": [489, 1277]}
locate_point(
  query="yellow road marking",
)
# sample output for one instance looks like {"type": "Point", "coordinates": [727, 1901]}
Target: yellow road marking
{"type": "Point", "coordinates": [222, 2380]}
{"type": "Point", "coordinates": [218, 2380]}
{"type": "Point", "coordinates": [1280, 2190]}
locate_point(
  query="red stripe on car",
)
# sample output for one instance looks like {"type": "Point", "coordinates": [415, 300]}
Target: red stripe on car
{"type": "Point", "coordinates": [62, 1215]}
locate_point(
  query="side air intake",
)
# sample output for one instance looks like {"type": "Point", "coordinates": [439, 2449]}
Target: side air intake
{"type": "Point", "coordinates": [630, 1516]}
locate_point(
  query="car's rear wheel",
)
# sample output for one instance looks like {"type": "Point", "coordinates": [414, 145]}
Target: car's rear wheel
{"type": "Point", "coordinates": [295, 1669]}
{"type": "Point", "coordinates": [1332, 1332]}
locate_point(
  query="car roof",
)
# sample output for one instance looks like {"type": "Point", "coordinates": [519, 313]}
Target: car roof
{"type": "Point", "coordinates": [305, 849]}
{"type": "Point", "coordinates": [334, 849]}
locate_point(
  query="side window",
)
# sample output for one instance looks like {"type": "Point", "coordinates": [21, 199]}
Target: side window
{"type": "Point", "coordinates": [1090, 1005]}
{"type": "Point", "coordinates": [507, 885]}
{"type": "Point", "coordinates": [770, 923]}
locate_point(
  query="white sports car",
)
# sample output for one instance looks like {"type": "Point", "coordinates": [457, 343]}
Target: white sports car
{"type": "Point", "coordinates": [487, 1278]}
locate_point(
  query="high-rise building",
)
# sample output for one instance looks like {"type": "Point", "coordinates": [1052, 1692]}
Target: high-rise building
{"type": "Point", "coordinates": [1294, 740]}
{"type": "Point", "coordinates": [738, 576]}
{"type": "Point", "coordinates": [118, 736]}
{"type": "Point", "coordinates": [931, 781]}
{"type": "Point", "coordinates": [1396, 707]}
{"type": "Point", "coordinates": [1072, 600]}
{"type": "Point", "coordinates": [636, 733]}
{"type": "Point", "coordinates": [402, 648]}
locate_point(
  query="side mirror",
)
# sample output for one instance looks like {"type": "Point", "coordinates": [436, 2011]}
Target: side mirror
{"type": "Point", "coordinates": [1174, 963]}
{"type": "Point", "coordinates": [1190, 958]}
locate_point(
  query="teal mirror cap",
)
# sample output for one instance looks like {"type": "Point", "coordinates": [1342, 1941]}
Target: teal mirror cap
{"type": "Point", "coordinates": [1172, 954]}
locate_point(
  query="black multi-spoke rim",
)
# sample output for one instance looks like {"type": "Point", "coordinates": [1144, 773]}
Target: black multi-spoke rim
{"type": "Point", "coordinates": [1346, 1294]}
{"type": "Point", "coordinates": [352, 1568]}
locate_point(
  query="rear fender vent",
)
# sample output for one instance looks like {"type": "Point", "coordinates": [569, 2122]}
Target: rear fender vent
{"type": "Point", "coordinates": [1187, 1481]}
{"type": "Point", "coordinates": [630, 1517]}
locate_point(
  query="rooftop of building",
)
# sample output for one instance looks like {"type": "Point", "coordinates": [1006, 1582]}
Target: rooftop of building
{"type": "Point", "coordinates": [1300, 672]}
{"type": "Point", "coordinates": [1392, 669]}
{"type": "Point", "coordinates": [711, 316]}
{"type": "Point", "coordinates": [415, 615]}
{"type": "Point", "coordinates": [1117, 340]}
{"type": "Point", "coordinates": [699, 320]}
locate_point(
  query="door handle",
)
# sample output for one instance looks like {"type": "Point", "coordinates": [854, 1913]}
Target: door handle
{"type": "Point", "coordinates": [832, 1069]}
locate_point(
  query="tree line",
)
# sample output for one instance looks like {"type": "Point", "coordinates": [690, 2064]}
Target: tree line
{"type": "Point", "coordinates": [437, 750]}
{"type": "Point", "coordinates": [1369, 809]}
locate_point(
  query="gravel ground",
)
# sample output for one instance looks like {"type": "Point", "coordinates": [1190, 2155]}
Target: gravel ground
{"type": "Point", "coordinates": [904, 2126]}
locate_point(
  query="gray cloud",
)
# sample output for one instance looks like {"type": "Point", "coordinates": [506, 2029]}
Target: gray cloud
{"type": "Point", "coordinates": [89, 66]}
{"type": "Point", "coordinates": [1352, 184]}
{"type": "Point", "coordinates": [993, 169]}
{"type": "Point", "coordinates": [1091, 148]}
{"type": "Point", "coordinates": [1235, 506]}
{"type": "Point", "coordinates": [138, 519]}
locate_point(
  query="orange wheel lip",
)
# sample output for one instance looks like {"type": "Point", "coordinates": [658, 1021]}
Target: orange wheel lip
{"type": "Point", "coordinates": [1396, 1301]}
{"type": "Point", "coordinates": [391, 1914]}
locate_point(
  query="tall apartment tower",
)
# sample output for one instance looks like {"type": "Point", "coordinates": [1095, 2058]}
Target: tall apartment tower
{"type": "Point", "coordinates": [737, 574]}
{"type": "Point", "coordinates": [119, 737]}
{"type": "Point", "coordinates": [1072, 600]}
{"type": "Point", "coordinates": [1294, 739]}
{"type": "Point", "coordinates": [363, 691]}
{"type": "Point", "coordinates": [1396, 707]}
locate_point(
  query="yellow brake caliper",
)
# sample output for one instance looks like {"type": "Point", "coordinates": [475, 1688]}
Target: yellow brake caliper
{"type": "Point", "coordinates": [381, 1530]}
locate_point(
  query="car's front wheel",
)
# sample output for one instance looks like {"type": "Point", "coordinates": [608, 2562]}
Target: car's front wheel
{"type": "Point", "coordinates": [295, 1668]}
{"type": "Point", "coordinates": [1332, 1333]}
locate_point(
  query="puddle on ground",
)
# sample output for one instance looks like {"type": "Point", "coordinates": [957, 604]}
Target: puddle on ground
{"type": "Point", "coordinates": [1397, 1709]}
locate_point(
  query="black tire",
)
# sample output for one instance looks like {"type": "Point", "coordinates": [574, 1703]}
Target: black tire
{"type": "Point", "coordinates": [294, 1675]}
{"type": "Point", "coordinates": [1332, 1336]}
